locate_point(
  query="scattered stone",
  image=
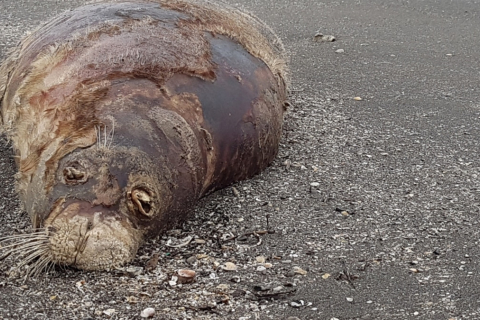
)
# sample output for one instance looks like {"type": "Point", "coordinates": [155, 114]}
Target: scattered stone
{"type": "Point", "coordinates": [192, 260]}
{"type": "Point", "coordinates": [147, 313]}
{"type": "Point", "coordinates": [185, 276]}
{"type": "Point", "coordinates": [260, 259]}
{"type": "Point", "coordinates": [326, 276]}
{"type": "Point", "coordinates": [236, 192]}
{"type": "Point", "coordinates": [173, 282]}
{"type": "Point", "coordinates": [200, 241]}
{"type": "Point", "coordinates": [174, 243]}
{"type": "Point", "coordinates": [349, 299]}
{"type": "Point", "coordinates": [109, 312]}
{"type": "Point", "coordinates": [299, 270]}
{"type": "Point", "coordinates": [223, 288]}
{"type": "Point", "coordinates": [261, 268]}
{"type": "Point", "coordinates": [324, 37]}
{"type": "Point", "coordinates": [268, 265]}
{"type": "Point", "coordinates": [358, 98]}
{"type": "Point", "coordinates": [132, 299]}
{"type": "Point", "coordinates": [297, 304]}
{"type": "Point", "coordinates": [229, 266]}
{"type": "Point", "coordinates": [340, 51]}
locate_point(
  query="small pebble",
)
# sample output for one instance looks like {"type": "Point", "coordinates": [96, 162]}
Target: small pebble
{"type": "Point", "coordinates": [297, 304]}
{"type": "Point", "coordinates": [299, 271]}
{"type": "Point", "coordinates": [185, 276]}
{"type": "Point", "coordinates": [340, 51]}
{"type": "Point", "coordinates": [260, 259]}
{"type": "Point", "coordinates": [357, 98]}
{"type": "Point", "coordinates": [229, 266]}
{"type": "Point", "coordinates": [223, 287]}
{"type": "Point", "coordinates": [109, 312]}
{"type": "Point", "coordinates": [323, 37]}
{"type": "Point", "coordinates": [261, 268]}
{"type": "Point", "coordinates": [147, 313]}
{"type": "Point", "coordinates": [349, 299]}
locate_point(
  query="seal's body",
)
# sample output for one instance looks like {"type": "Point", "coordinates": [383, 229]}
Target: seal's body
{"type": "Point", "coordinates": [124, 114]}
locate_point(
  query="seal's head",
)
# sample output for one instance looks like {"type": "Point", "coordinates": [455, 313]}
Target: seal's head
{"type": "Point", "coordinates": [104, 201]}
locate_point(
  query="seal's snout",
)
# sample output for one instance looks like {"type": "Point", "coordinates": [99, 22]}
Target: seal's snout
{"type": "Point", "coordinates": [91, 237]}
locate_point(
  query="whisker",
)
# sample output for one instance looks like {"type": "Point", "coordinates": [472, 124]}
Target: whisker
{"type": "Point", "coordinates": [29, 255]}
{"type": "Point", "coordinates": [105, 136]}
{"type": "Point", "coordinates": [21, 248]}
{"type": "Point", "coordinates": [24, 245]}
{"type": "Point", "coordinates": [97, 132]}
{"type": "Point", "coordinates": [51, 267]}
{"type": "Point", "coordinates": [20, 236]}
{"type": "Point", "coordinates": [40, 265]}
{"type": "Point", "coordinates": [33, 255]}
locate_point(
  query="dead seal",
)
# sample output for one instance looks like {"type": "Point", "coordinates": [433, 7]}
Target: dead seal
{"type": "Point", "coordinates": [123, 114]}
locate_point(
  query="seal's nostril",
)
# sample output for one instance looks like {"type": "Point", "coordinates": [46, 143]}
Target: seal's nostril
{"type": "Point", "coordinates": [74, 173]}
{"type": "Point", "coordinates": [89, 225]}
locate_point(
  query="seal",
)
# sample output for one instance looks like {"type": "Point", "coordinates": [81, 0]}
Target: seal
{"type": "Point", "coordinates": [122, 114]}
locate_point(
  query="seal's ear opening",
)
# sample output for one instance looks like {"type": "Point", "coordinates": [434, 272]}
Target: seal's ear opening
{"type": "Point", "coordinates": [141, 201]}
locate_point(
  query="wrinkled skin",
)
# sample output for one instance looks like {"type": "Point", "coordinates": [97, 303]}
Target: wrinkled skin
{"type": "Point", "coordinates": [119, 127]}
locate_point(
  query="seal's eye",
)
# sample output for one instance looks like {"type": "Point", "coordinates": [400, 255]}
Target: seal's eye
{"type": "Point", "coordinates": [142, 201]}
{"type": "Point", "coordinates": [74, 173]}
